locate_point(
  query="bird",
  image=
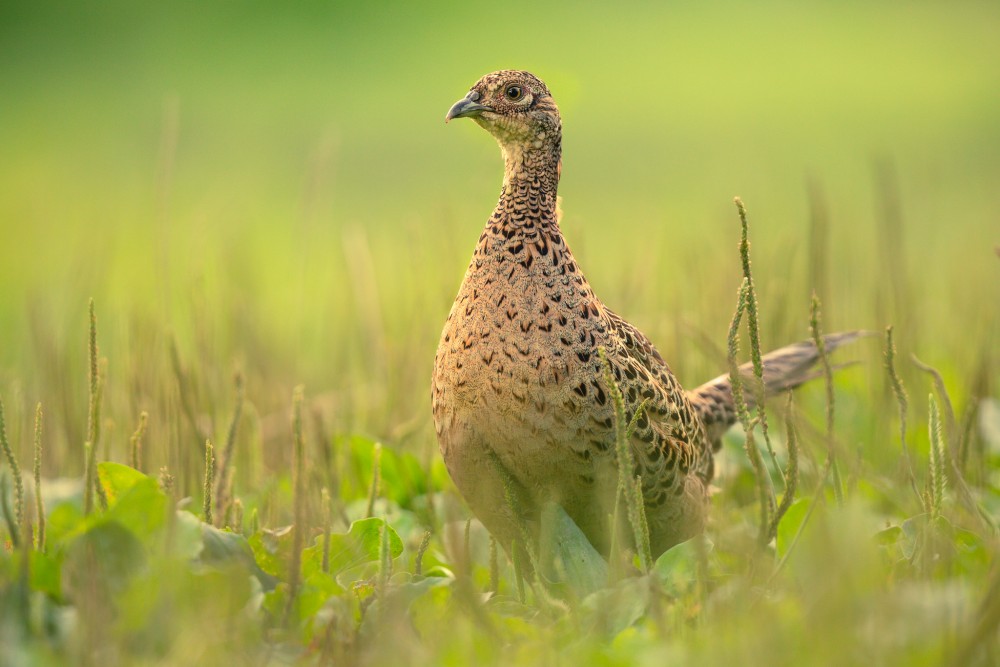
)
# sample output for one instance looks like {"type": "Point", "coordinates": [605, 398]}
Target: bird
{"type": "Point", "coordinates": [521, 408]}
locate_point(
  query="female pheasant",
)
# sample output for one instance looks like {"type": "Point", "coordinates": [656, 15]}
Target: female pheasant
{"type": "Point", "coordinates": [518, 388]}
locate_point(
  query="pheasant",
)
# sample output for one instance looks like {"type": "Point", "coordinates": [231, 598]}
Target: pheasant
{"type": "Point", "coordinates": [521, 409]}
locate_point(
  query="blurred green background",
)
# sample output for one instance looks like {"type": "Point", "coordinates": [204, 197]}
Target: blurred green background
{"type": "Point", "coordinates": [272, 187]}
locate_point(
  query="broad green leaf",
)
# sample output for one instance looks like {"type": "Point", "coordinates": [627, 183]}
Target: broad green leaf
{"type": "Point", "coordinates": [187, 540]}
{"type": "Point", "coordinates": [317, 588]}
{"type": "Point", "coordinates": [566, 556]}
{"type": "Point", "coordinates": [611, 610]}
{"type": "Point", "coordinates": [891, 541]}
{"type": "Point", "coordinates": [431, 608]}
{"type": "Point", "coordinates": [358, 546]}
{"type": "Point", "coordinates": [222, 545]}
{"type": "Point", "coordinates": [100, 560]}
{"type": "Point", "coordinates": [402, 476]}
{"type": "Point", "coordinates": [889, 536]}
{"type": "Point", "coordinates": [424, 598]}
{"type": "Point", "coordinates": [116, 479]}
{"type": "Point", "coordinates": [333, 620]}
{"type": "Point", "coordinates": [46, 573]}
{"type": "Point", "coordinates": [677, 567]}
{"type": "Point", "coordinates": [912, 528]}
{"type": "Point", "coordinates": [972, 553]}
{"type": "Point", "coordinates": [790, 524]}
{"type": "Point", "coordinates": [64, 520]}
{"type": "Point", "coordinates": [272, 550]}
{"type": "Point", "coordinates": [141, 508]}
{"type": "Point", "coordinates": [170, 595]}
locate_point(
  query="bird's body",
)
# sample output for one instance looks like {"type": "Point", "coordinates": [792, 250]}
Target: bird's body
{"type": "Point", "coordinates": [521, 408]}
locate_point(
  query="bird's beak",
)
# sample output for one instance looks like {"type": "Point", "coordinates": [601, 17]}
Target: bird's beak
{"type": "Point", "coordinates": [466, 107]}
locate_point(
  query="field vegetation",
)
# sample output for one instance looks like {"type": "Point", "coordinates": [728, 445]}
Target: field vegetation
{"type": "Point", "coordinates": [229, 237]}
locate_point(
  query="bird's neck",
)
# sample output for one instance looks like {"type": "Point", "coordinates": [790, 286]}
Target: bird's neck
{"type": "Point", "coordinates": [530, 181]}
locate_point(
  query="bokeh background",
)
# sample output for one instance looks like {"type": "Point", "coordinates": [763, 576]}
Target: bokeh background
{"type": "Point", "coordinates": [270, 187]}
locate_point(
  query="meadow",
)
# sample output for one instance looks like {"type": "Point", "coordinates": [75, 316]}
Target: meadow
{"type": "Point", "coordinates": [244, 226]}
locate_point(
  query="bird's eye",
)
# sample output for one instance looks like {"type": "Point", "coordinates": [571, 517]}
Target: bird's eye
{"type": "Point", "coordinates": [514, 93]}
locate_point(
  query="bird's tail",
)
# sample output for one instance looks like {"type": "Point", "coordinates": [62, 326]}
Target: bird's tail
{"type": "Point", "coordinates": [785, 368]}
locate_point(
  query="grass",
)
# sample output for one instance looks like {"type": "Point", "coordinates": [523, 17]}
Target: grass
{"type": "Point", "coordinates": [252, 210]}
{"type": "Point", "coordinates": [134, 580]}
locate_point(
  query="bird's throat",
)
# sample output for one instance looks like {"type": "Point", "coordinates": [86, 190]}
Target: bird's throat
{"type": "Point", "coordinates": [530, 181]}
{"type": "Point", "coordinates": [534, 162]}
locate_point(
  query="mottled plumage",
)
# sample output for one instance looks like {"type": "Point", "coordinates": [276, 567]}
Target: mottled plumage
{"type": "Point", "coordinates": [517, 380]}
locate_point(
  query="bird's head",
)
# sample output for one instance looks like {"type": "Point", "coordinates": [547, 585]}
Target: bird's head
{"type": "Point", "coordinates": [514, 106]}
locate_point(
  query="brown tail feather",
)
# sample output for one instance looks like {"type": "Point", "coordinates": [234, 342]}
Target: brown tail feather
{"type": "Point", "coordinates": [784, 369]}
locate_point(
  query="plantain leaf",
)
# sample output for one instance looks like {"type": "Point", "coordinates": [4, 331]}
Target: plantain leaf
{"type": "Point", "coordinates": [566, 556]}
{"type": "Point", "coordinates": [116, 479]}
{"type": "Point", "coordinates": [359, 545]}
{"type": "Point", "coordinates": [677, 567]}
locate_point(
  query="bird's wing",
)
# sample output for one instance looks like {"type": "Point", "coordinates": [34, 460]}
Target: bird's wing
{"type": "Point", "coordinates": [669, 439]}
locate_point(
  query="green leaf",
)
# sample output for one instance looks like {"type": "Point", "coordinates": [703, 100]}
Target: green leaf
{"type": "Point", "coordinates": [141, 507]}
{"type": "Point", "coordinates": [566, 556]}
{"type": "Point", "coordinates": [170, 597]}
{"type": "Point", "coordinates": [790, 524]}
{"type": "Point", "coordinates": [428, 601]}
{"type": "Point", "coordinates": [912, 529]}
{"type": "Point", "coordinates": [889, 536]}
{"type": "Point", "coordinates": [116, 479]}
{"type": "Point", "coordinates": [46, 573]}
{"type": "Point", "coordinates": [272, 550]}
{"type": "Point", "coordinates": [187, 541]}
{"type": "Point", "coordinates": [64, 521]}
{"type": "Point", "coordinates": [100, 561]}
{"type": "Point", "coordinates": [891, 541]}
{"type": "Point", "coordinates": [611, 610]}
{"type": "Point", "coordinates": [677, 567]}
{"type": "Point", "coordinates": [431, 606]}
{"type": "Point", "coordinates": [402, 476]}
{"type": "Point", "coordinates": [221, 547]}
{"type": "Point", "coordinates": [972, 553]}
{"type": "Point", "coordinates": [358, 546]}
{"type": "Point", "coordinates": [317, 589]}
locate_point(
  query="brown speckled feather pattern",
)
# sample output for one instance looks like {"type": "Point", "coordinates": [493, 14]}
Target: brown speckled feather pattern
{"type": "Point", "coordinates": [517, 379]}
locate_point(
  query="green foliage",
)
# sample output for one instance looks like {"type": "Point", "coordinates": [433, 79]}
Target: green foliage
{"type": "Point", "coordinates": [244, 190]}
{"type": "Point", "coordinates": [566, 556]}
{"type": "Point", "coordinates": [677, 567]}
{"type": "Point", "coordinates": [139, 577]}
{"type": "Point", "coordinates": [358, 546]}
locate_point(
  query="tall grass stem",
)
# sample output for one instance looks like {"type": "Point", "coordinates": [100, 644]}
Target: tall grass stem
{"type": "Point", "coordinates": [373, 491]}
{"type": "Point", "coordinates": [15, 469]}
{"type": "Point", "coordinates": [765, 489]}
{"type": "Point", "coordinates": [753, 328]}
{"type": "Point", "coordinates": [629, 487]}
{"type": "Point", "coordinates": [37, 469]}
{"type": "Point", "coordinates": [791, 472]}
{"type": "Point", "coordinates": [815, 327]}
{"type": "Point", "coordinates": [299, 501]}
{"type": "Point", "coordinates": [206, 502]}
{"type": "Point", "coordinates": [902, 402]}
{"type": "Point", "coordinates": [937, 475]}
{"type": "Point", "coordinates": [223, 482]}
{"type": "Point", "coordinates": [135, 442]}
